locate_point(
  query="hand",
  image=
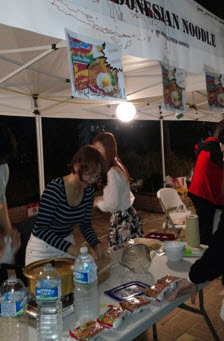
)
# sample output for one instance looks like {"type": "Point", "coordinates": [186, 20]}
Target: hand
{"type": "Point", "coordinates": [73, 250]}
{"type": "Point", "coordinates": [102, 256]}
{"type": "Point", "coordinates": [184, 288]}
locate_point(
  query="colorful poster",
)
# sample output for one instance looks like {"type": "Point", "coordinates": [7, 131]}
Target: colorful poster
{"type": "Point", "coordinates": [215, 91]}
{"type": "Point", "coordinates": [173, 80]}
{"type": "Point", "coordinates": [95, 68]}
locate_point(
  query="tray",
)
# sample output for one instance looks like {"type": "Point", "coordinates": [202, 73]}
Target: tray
{"type": "Point", "coordinates": [127, 290]}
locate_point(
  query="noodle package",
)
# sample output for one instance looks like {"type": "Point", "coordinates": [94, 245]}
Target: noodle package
{"type": "Point", "coordinates": [87, 331]}
{"type": "Point", "coordinates": [135, 304]}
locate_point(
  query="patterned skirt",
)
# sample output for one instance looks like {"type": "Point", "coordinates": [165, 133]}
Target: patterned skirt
{"type": "Point", "coordinates": [124, 225]}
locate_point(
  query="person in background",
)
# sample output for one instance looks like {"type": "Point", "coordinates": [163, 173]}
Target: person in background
{"type": "Point", "coordinates": [117, 198]}
{"type": "Point", "coordinates": [9, 237]}
{"type": "Point", "coordinates": [207, 268]}
{"type": "Point", "coordinates": [205, 189]}
{"type": "Point", "coordinates": [67, 201]}
{"type": "Point", "coordinates": [210, 265]}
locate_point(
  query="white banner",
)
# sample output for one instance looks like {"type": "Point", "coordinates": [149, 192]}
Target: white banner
{"type": "Point", "coordinates": [176, 32]}
{"type": "Point", "coordinates": [95, 68]}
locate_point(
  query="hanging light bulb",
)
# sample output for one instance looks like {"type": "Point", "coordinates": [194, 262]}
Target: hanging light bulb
{"type": "Point", "coordinates": [126, 111]}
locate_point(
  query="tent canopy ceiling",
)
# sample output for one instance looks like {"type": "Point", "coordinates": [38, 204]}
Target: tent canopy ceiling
{"type": "Point", "coordinates": [49, 76]}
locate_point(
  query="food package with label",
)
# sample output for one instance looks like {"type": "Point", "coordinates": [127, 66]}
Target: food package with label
{"type": "Point", "coordinates": [158, 292]}
{"type": "Point", "coordinates": [113, 317]}
{"type": "Point", "coordinates": [87, 331]}
{"type": "Point", "coordinates": [171, 281]}
{"type": "Point", "coordinates": [135, 304]}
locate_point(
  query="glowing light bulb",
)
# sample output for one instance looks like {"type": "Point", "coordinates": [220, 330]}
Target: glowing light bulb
{"type": "Point", "coordinates": [126, 111]}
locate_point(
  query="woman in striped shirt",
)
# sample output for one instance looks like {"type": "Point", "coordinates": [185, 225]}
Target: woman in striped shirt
{"type": "Point", "coordinates": [67, 201]}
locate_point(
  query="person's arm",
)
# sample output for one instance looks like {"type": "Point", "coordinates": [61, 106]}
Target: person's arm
{"type": "Point", "coordinates": [210, 265]}
{"type": "Point", "coordinates": [89, 234]}
{"type": "Point", "coordinates": [5, 224]}
{"type": "Point", "coordinates": [48, 205]}
{"type": "Point", "coordinates": [207, 268]}
{"type": "Point", "coordinates": [110, 200]}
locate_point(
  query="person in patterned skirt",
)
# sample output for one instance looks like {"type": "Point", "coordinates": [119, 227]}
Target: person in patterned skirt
{"type": "Point", "coordinates": [117, 198]}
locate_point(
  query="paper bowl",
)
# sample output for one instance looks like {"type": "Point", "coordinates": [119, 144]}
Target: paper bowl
{"type": "Point", "coordinates": [174, 250]}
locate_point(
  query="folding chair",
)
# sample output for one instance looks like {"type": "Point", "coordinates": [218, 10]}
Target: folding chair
{"type": "Point", "coordinates": [171, 202]}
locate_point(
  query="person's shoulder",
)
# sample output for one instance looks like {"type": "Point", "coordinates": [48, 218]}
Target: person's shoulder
{"type": "Point", "coordinates": [56, 185]}
{"type": "Point", "coordinates": [116, 173]}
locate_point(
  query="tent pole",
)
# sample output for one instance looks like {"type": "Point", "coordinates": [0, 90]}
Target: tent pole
{"type": "Point", "coordinates": [162, 149]}
{"type": "Point", "coordinates": [39, 135]}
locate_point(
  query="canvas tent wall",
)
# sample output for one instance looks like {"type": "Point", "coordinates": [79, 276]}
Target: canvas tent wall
{"type": "Point", "coordinates": [33, 59]}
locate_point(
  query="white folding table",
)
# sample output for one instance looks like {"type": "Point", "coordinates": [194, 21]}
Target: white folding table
{"type": "Point", "coordinates": [134, 325]}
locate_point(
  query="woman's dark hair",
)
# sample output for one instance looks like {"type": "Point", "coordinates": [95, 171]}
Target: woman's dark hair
{"type": "Point", "coordinates": [89, 159]}
{"type": "Point", "coordinates": [7, 144]}
{"type": "Point", "coordinates": [109, 143]}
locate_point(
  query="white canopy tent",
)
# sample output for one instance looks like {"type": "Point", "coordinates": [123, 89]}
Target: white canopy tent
{"type": "Point", "coordinates": [35, 82]}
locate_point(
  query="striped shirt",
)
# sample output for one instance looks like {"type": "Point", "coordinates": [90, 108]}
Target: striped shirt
{"type": "Point", "coordinates": [56, 218]}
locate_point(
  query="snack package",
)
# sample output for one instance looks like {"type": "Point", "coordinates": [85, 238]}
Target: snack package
{"type": "Point", "coordinates": [87, 331]}
{"type": "Point", "coordinates": [158, 291]}
{"type": "Point", "coordinates": [135, 304]}
{"type": "Point", "coordinates": [112, 317]}
{"type": "Point", "coordinates": [171, 281]}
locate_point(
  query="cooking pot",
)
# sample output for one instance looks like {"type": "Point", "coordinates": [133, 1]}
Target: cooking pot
{"type": "Point", "coordinates": [64, 266]}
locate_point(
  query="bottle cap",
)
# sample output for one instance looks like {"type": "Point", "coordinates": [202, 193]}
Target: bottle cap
{"type": "Point", "coordinates": [48, 267]}
{"type": "Point", "coordinates": [83, 249]}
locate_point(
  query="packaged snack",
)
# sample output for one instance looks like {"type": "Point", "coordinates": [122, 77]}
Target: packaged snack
{"type": "Point", "coordinates": [112, 317]}
{"type": "Point", "coordinates": [87, 331]}
{"type": "Point", "coordinates": [158, 291]}
{"type": "Point", "coordinates": [171, 281]}
{"type": "Point", "coordinates": [135, 304]}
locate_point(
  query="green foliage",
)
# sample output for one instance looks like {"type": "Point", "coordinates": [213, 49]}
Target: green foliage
{"type": "Point", "coordinates": [144, 166]}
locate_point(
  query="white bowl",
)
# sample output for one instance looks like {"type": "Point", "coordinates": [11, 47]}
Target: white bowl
{"type": "Point", "coordinates": [174, 250]}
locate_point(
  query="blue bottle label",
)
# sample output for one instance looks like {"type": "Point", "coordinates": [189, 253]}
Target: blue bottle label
{"type": "Point", "coordinates": [47, 294]}
{"type": "Point", "coordinates": [11, 308]}
{"type": "Point", "coordinates": [85, 277]}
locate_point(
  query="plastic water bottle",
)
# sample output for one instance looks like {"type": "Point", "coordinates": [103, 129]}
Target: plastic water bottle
{"type": "Point", "coordinates": [49, 307]}
{"type": "Point", "coordinates": [86, 290]}
{"type": "Point", "coordinates": [13, 305]}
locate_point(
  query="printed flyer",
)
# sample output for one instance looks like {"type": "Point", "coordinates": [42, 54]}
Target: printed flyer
{"type": "Point", "coordinates": [95, 68]}
{"type": "Point", "coordinates": [215, 91]}
{"type": "Point", "coordinates": [173, 80]}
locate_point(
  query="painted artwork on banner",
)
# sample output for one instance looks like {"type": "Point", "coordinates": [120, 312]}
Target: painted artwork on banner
{"type": "Point", "coordinates": [173, 80]}
{"type": "Point", "coordinates": [215, 91]}
{"type": "Point", "coordinates": [95, 68]}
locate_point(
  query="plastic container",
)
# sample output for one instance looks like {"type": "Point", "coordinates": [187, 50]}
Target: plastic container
{"type": "Point", "coordinates": [49, 306]}
{"type": "Point", "coordinates": [174, 250]}
{"type": "Point", "coordinates": [13, 305]}
{"type": "Point", "coordinates": [127, 290]}
{"type": "Point", "coordinates": [86, 290]}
